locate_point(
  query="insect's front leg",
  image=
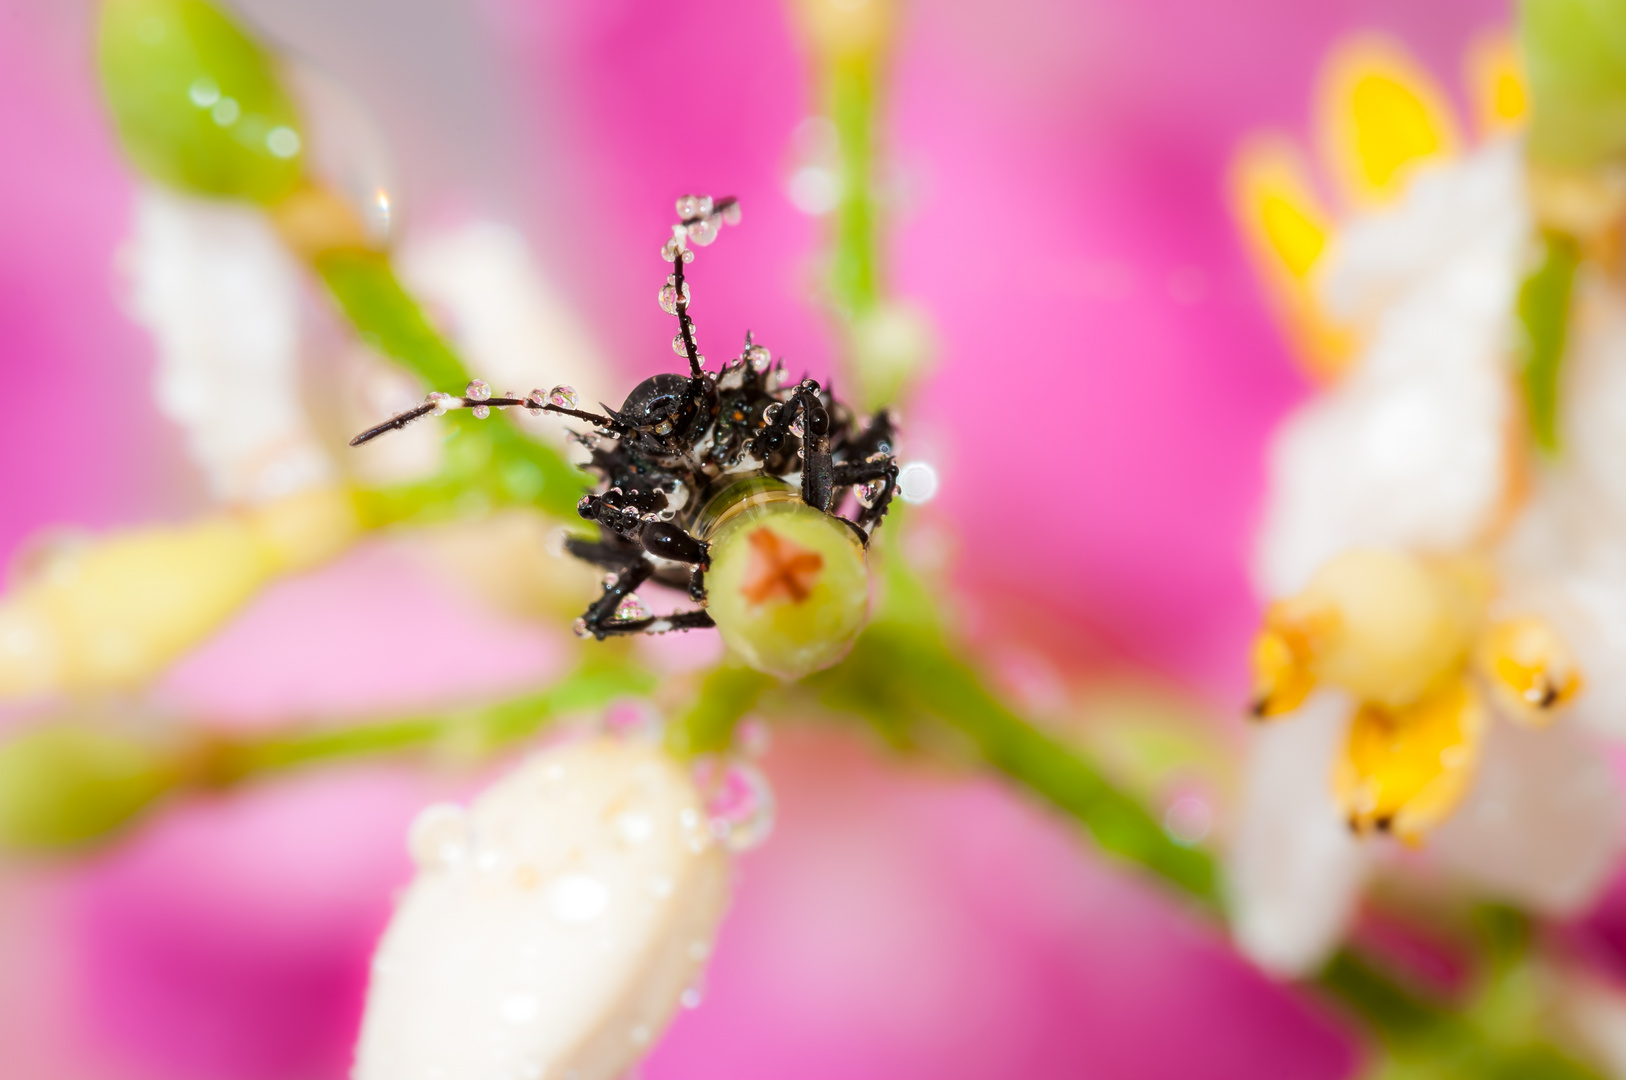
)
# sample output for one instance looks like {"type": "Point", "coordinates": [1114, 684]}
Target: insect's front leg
{"type": "Point", "coordinates": [818, 480]}
{"type": "Point", "coordinates": [599, 619]}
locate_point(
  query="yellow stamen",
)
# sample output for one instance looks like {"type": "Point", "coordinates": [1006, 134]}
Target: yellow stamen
{"type": "Point", "coordinates": [1404, 770]}
{"type": "Point", "coordinates": [1282, 655]}
{"type": "Point", "coordinates": [1530, 669]}
{"type": "Point", "coordinates": [1381, 115]}
{"type": "Point", "coordinates": [1496, 85]}
{"type": "Point", "coordinates": [1390, 625]}
{"type": "Point", "coordinates": [1286, 230]}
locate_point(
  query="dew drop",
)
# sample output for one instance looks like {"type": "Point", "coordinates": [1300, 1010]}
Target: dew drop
{"type": "Point", "coordinates": [868, 493]}
{"type": "Point", "coordinates": [631, 608]}
{"type": "Point", "coordinates": [577, 898]}
{"type": "Point", "coordinates": [477, 390]}
{"type": "Point", "coordinates": [731, 213]}
{"type": "Point", "coordinates": [481, 411]}
{"type": "Point", "coordinates": [692, 996]}
{"type": "Point", "coordinates": [917, 482]}
{"type": "Point", "coordinates": [441, 401]}
{"type": "Point", "coordinates": [739, 803]}
{"type": "Point", "coordinates": [771, 413]}
{"type": "Point", "coordinates": [439, 837]}
{"type": "Point", "coordinates": [579, 628]}
{"type": "Point", "coordinates": [672, 249]}
{"type": "Point", "coordinates": [759, 358]}
{"type": "Point", "coordinates": [679, 346]}
{"type": "Point", "coordinates": [563, 396]}
{"type": "Point", "coordinates": [704, 231]}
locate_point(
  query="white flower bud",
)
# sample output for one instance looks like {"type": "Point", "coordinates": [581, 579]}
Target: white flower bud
{"type": "Point", "coordinates": [553, 927]}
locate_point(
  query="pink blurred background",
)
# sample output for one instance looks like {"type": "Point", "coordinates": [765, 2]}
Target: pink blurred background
{"type": "Point", "coordinates": [1107, 377]}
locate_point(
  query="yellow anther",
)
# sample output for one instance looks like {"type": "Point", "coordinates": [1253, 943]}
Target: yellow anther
{"type": "Point", "coordinates": [1404, 770]}
{"type": "Point", "coordinates": [1530, 669]}
{"type": "Point", "coordinates": [1286, 230]}
{"type": "Point", "coordinates": [1381, 115]}
{"type": "Point", "coordinates": [1282, 678]}
{"type": "Point", "coordinates": [1496, 84]}
{"type": "Point", "coordinates": [1390, 626]}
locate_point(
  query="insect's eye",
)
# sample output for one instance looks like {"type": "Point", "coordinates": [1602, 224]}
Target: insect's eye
{"type": "Point", "coordinates": [655, 397]}
{"type": "Point", "coordinates": [818, 421]}
{"type": "Point", "coordinates": [788, 588]}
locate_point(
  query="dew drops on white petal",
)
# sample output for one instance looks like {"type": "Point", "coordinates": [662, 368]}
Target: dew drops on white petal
{"type": "Point", "coordinates": [639, 1034]}
{"type": "Point", "coordinates": [439, 837]}
{"type": "Point", "coordinates": [577, 898]}
{"type": "Point", "coordinates": [630, 608]}
{"type": "Point", "coordinates": [477, 390]}
{"type": "Point", "coordinates": [739, 803]}
{"type": "Point", "coordinates": [917, 482]}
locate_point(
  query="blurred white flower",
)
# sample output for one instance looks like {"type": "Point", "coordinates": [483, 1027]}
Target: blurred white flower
{"type": "Point", "coordinates": [1436, 596]}
{"type": "Point", "coordinates": [554, 926]}
{"type": "Point", "coordinates": [222, 295]}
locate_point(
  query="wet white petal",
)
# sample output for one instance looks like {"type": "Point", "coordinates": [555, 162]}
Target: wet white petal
{"type": "Point", "coordinates": [221, 297]}
{"type": "Point", "coordinates": [1295, 868]}
{"type": "Point", "coordinates": [1410, 447]}
{"type": "Point", "coordinates": [1542, 823]}
{"type": "Point", "coordinates": [542, 936]}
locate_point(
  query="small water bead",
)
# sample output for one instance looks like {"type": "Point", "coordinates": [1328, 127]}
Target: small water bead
{"type": "Point", "coordinates": [758, 357]}
{"type": "Point", "coordinates": [680, 346]}
{"type": "Point", "coordinates": [693, 206]}
{"type": "Point", "coordinates": [441, 401]}
{"type": "Point", "coordinates": [481, 411]}
{"type": "Point", "coordinates": [440, 836]}
{"type": "Point", "coordinates": [917, 482]}
{"type": "Point", "coordinates": [477, 391]}
{"type": "Point", "coordinates": [868, 493]}
{"type": "Point", "coordinates": [704, 231]}
{"type": "Point", "coordinates": [563, 397]}
{"type": "Point", "coordinates": [577, 898]}
{"type": "Point", "coordinates": [739, 803]}
{"type": "Point", "coordinates": [692, 995]}
{"type": "Point", "coordinates": [671, 249]}
{"type": "Point", "coordinates": [731, 213]}
{"type": "Point", "coordinates": [771, 413]}
{"type": "Point", "coordinates": [579, 628]}
{"type": "Point", "coordinates": [796, 426]}
{"type": "Point", "coordinates": [631, 608]}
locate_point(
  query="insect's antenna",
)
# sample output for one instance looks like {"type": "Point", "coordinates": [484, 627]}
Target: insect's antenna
{"type": "Point", "coordinates": [700, 217]}
{"type": "Point", "coordinates": [478, 400]}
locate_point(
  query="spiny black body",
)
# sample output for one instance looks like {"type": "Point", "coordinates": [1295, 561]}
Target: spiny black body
{"type": "Point", "coordinates": [676, 441]}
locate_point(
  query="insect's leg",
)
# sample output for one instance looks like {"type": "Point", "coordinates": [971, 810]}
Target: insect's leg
{"type": "Point", "coordinates": [599, 619]}
{"type": "Point", "coordinates": [879, 437]}
{"type": "Point", "coordinates": [862, 472]}
{"type": "Point", "coordinates": [658, 624]}
{"type": "Point", "coordinates": [623, 521]}
{"type": "Point", "coordinates": [697, 585]}
{"type": "Point", "coordinates": [818, 485]}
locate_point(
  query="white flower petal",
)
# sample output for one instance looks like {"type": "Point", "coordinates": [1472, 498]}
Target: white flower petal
{"type": "Point", "coordinates": [1566, 561]}
{"type": "Point", "coordinates": [1295, 868]}
{"type": "Point", "coordinates": [1541, 825]}
{"type": "Point", "coordinates": [1410, 448]}
{"type": "Point", "coordinates": [516, 332]}
{"type": "Point", "coordinates": [552, 928]}
{"type": "Point", "coordinates": [221, 297]}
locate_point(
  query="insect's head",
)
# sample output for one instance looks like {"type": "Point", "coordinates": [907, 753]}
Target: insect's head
{"type": "Point", "coordinates": [789, 585]}
{"type": "Point", "coordinates": [665, 405]}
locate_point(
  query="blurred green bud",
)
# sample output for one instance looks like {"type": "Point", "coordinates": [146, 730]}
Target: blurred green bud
{"type": "Point", "coordinates": [66, 785]}
{"type": "Point", "coordinates": [196, 102]}
{"type": "Point", "coordinates": [1575, 56]}
{"type": "Point", "coordinates": [788, 586]}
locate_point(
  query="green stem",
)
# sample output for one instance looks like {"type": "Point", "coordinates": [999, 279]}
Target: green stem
{"type": "Point", "coordinates": [489, 461]}
{"type": "Point", "coordinates": [590, 687]}
{"type": "Point", "coordinates": [851, 84]}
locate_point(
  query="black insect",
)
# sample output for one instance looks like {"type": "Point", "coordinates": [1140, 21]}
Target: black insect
{"type": "Point", "coordinates": [682, 449]}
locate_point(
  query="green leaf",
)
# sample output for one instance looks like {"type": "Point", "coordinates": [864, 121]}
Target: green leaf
{"type": "Point", "coordinates": [196, 102]}
{"type": "Point", "coordinates": [1544, 303]}
{"type": "Point", "coordinates": [1575, 59]}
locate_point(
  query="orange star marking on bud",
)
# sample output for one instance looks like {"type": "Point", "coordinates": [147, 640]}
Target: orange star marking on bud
{"type": "Point", "coordinates": [779, 568]}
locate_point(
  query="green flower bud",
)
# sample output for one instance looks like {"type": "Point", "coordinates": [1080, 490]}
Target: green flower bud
{"type": "Point", "coordinates": [1575, 55]}
{"type": "Point", "coordinates": [788, 585]}
{"type": "Point", "coordinates": [196, 102]}
{"type": "Point", "coordinates": [63, 786]}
